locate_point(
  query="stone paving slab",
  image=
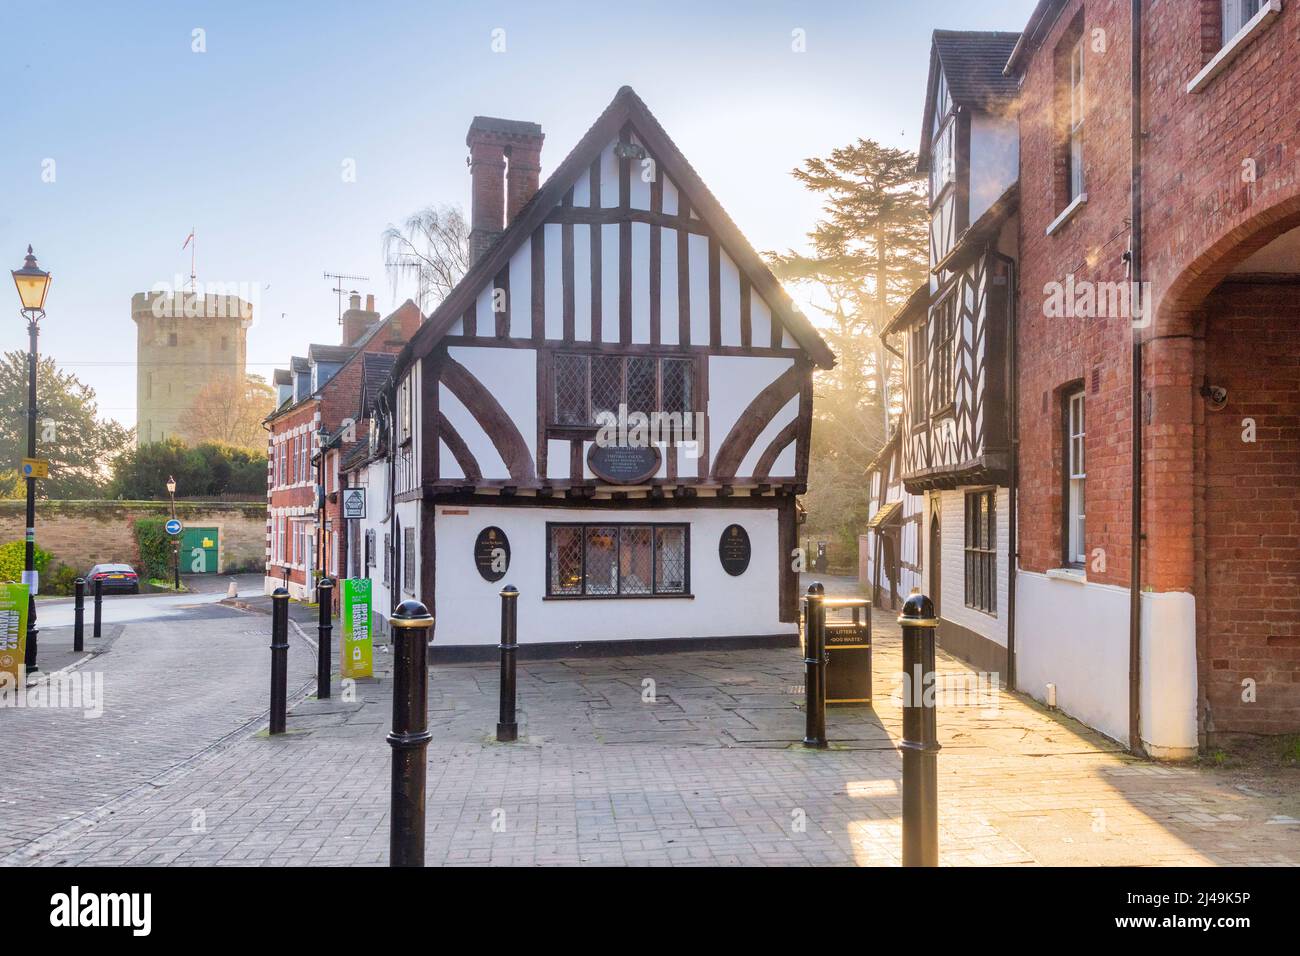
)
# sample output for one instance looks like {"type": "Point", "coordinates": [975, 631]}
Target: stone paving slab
{"type": "Point", "coordinates": [709, 773]}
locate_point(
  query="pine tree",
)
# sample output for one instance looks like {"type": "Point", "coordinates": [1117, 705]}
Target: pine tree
{"type": "Point", "coordinates": [867, 254]}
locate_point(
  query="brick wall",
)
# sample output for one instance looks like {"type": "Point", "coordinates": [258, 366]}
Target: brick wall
{"type": "Point", "coordinates": [83, 533]}
{"type": "Point", "coordinates": [1251, 590]}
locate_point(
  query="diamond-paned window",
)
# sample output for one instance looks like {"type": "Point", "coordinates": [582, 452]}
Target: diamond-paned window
{"type": "Point", "coordinates": [606, 386]}
{"type": "Point", "coordinates": [670, 559]}
{"type": "Point", "coordinates": [601, 571]}
{"type": "Point", "coordinates": [564, 559]}
{"type": "Point", "coordinates": [617, 560]}
{"type": "Point", "coordinates": [634, 565]}
{"type": "Point", "coordinates": [584, 386]}
{"type": "Point", "coordinates": [571, 389]}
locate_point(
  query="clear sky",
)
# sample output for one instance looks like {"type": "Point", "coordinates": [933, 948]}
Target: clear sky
{"type": "Point", "coordinates": [246, 142]}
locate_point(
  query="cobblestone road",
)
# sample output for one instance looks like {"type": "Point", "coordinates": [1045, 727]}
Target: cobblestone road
{"type": "Point", "coordinates": [703, 771]}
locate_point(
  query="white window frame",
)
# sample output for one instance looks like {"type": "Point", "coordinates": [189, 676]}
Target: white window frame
{"type": "Point", "coordinates": [1078, 113]}
{"type": "Point", "coordinates": [1236, 16]}
{"type": "Point", "coordinates": [1076, 478]}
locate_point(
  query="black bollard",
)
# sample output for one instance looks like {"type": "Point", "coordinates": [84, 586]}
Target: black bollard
{"type": "Point", "coordinates": [507, 726]}
{"type": "Point", "coordinates": [279, 658]}
{"type": "Point", "coordinates": [79, 615]}
{"type": "Point", "coordinates": [99, 608]}
{"type": "Point", "coordinates": [410, 737]}
{"type": "Point", "coordinates": [324, 630]}
{"type": "Point", "coordinates": [920, 746]}
{"type": "Point", "coordinates": [815, 667]}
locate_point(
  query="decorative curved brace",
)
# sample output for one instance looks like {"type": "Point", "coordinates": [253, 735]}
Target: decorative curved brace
{"type": "Point", "coordinates": [778, 444]}
{"type": "Point", "coordinates": [487, 411]}
{"type": "Point", "coordinates": [464, 457]}
{"type": "Point", "coordinates": [755, 418]}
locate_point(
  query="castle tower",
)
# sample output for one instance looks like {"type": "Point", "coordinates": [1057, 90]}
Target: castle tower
{"type": "Point", "coordinates": [184, 341]}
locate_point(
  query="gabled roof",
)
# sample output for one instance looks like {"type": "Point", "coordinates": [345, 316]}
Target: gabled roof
{"type": "Point", "coordinates": [626, 107]}
{"type": "Point", "coordinates": [972, 62]}
{"type": "Point", "coordinates": [330, 353]}
{"type": "Point", "coordinates": [1040, 21]}
{"type": "Point", "coordinates": [886, 450]}
{"type": "Point", "coordinates": [281, 376]}
{"type": "Point", "coordinates": [299, 363]}
{"type": "Point", "coordinates": [375, 369]}
{"type": "Point", "coordinates": [913, 308]}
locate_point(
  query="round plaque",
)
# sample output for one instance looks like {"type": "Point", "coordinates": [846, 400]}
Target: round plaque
{"type": "Point", "coordinates": [624, 464]}
{"type": "Point", "coordinates": [492, 553]}
{"type": "Point", "coordinates": [734, 550]}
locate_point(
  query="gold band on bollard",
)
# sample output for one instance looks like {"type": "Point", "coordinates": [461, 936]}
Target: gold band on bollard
{"type": "Point", "coordinates": [411, 621]}
{"type": "Point", "coordinates": [918, 621]}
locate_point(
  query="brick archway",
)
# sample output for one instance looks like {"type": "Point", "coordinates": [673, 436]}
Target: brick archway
{"type": "Point", "coordinates": [1223, 483]}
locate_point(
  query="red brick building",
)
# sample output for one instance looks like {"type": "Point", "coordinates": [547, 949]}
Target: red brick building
{"type": "Point", "coordinates": [321, 409]}
{"type": "Point", "coordinates": [1173, 164]}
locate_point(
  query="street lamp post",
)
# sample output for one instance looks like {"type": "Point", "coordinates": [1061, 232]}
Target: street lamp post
{"type": "Point", "coordinates": [33, 285]}
{"type": "Point", "coordinates": [176, 539]}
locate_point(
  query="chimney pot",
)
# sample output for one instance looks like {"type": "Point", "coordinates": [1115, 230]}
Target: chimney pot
{"type": "Point", "coordinates": [354, 300]}
{"type": "Point", "coordinates": [370, 302]}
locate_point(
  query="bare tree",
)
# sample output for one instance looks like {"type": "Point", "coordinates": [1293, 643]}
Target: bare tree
{"type": "Point", "coordinates": [432, 247]}
{"type": "Point", "coordinates": [230, 412]}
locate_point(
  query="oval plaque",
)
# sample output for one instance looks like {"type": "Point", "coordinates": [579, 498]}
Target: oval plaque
{"type": "Point", "coordinates": [624, 464]}
{"type": "Point", "coordinates": [492, 553]}
{"type": "Point", "coordinates": [734, 550]}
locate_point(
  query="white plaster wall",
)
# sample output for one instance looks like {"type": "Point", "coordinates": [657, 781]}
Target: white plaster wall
{"type": "Point", "coordinates": [1075, 634]}
{"type": "Point", "coordinates": [609, 244]}
{"type": "Point", "coordinates": [994, 159]}
{"type": "Point", "coordinates": [468, 607]}
{"type": "Point", "coordinates": [640, 282]}
{"type": "Point", "coordinates": [729, 299]}
{"type": "Point", "coordinates": [698, 264]}
{"type": "Point", "coordinates": [553, 294]}
{"type": "Point", "coordinates": [668, 330]}
{"type": "Point", "coordinates": [783, 467]}
{"type": "Point", "coordinates": [734, 382]}
{"type": "Point", "coordinates": [521, 291]}
{"type": "Point", "coordinates": [511, 376]}
{"type": "Point", "coordinates": [953, 601]}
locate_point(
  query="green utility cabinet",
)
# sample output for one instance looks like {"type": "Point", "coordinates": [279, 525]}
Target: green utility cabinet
{"type": "Point", "coordinates": [199, 550]}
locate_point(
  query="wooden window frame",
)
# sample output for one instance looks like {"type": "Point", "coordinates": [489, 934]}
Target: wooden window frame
{"type": "Point", "coordinates": [408, 559]}
{"type": "Point", "coordinates": [918, 345]}
{"type": "Point", "coordinates": [659, 358]}
{"type": "Point", "coordinates": [980, 551]}
{"type": "Point", "coordinates": [1075, 186]}
{"type": "Point", "coordinates": [941, 393]}
{"type": "Point", "coordinates": [1074, 478]}
{"type": "Point", "coordinates": [655, 594]}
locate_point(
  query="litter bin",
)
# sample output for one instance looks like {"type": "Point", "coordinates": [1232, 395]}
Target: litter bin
{"type": "Point", "coordinates": [848, 650]}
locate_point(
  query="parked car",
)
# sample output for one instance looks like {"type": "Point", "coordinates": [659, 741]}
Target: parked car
{"type": "Point", "coordinates": [116, 577]}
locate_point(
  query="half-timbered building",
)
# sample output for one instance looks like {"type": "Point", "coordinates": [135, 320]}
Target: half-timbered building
{"type": "Point", "coordinates": [610, 412]}
{"type": "Point", "coordinates": [954, 436]}
{"type": "Point", "coordinates": [891, 548]}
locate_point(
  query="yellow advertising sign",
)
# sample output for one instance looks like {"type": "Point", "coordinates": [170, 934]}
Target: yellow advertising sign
{"type": "Point", "coordinates": [13, 632]}
{"type": "Point", "coordinates": [36, 468]}
{"type": "Point", "coordinates": [356, 653]}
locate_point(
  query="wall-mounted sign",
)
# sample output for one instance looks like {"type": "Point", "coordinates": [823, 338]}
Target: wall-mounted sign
{"type": "Point", "coordinates": [734, 550]}
{"type": "Point", "coordinates": [355, 654]}
{"type": "Point", "coordinates": [624, 464]}
{"type": "Point", "coordinates": [36, 468]}
{"type": "Point", "coordinates": [492, 554]}
{"type": "Point", "coordinates": [354, 502]}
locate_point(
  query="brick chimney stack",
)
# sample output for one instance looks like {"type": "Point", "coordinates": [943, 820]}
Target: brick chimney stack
{"type": "Point", "coordinates": [494, 201]}
{"type": "Point", "coordinates": [356, 320]}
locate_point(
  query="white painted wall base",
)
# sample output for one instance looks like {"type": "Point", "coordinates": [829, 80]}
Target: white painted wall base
{"type": "Point", "coordinates": [468, 607]}
{"type": "Point", "coordinates": [1074, 634]}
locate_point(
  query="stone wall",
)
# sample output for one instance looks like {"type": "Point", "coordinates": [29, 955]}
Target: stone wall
{"type": "Point", "coordinates": [82, 533]}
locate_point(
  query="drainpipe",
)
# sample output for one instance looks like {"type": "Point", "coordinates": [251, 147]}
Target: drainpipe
{"type": "Point", "coordinates": [1013, 477]}
{"type": "Point", "coordinates": [1135, 277]}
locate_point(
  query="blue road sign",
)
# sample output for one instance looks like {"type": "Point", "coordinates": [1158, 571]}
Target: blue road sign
{"type": "Point", "coordinates": [173, 527]}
